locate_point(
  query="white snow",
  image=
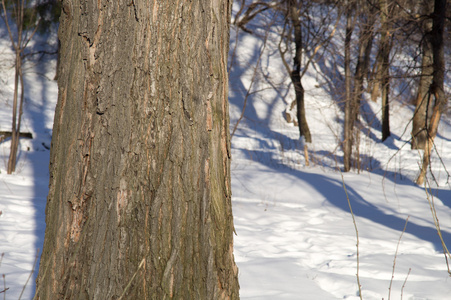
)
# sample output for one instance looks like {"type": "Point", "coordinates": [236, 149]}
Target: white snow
{"type": "Point", "coordinates": [295, 233]}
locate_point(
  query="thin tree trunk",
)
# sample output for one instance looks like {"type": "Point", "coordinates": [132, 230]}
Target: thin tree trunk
{"type": "Point", "coordinates": [295, 18]}
{"type": "Point", "coordinates": [423, 107]}
{"type": "Point", "coordinates": [139, 203]}
{"type": "Point", "coordinates": [436, 89]}
{"type": "Point", "coordinates": [349, 116]}
{"type": "Point", "coordinates": [17, 101]}
{"type": "Point", "coordinates": [14, 129]}
{"type": "Point", "coordinates": [365, 44]}
{"type": "Point", "coordinates": [385, 68]}
{"type": "Point", "coordinates": [19, 46]}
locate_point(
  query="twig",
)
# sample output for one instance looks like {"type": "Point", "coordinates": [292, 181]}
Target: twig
{"type": "Point", "coordinates": [233, 54]}
{"type": "Point", "coordinates": [430, 199]}
{"type": "Point", "coordinates": [31, 273]}
{"type": "Point", "coordinates": [4, 287]}
{"type": "Point", "coordinates": [254, 75]}
{"type": "Point", "coordinates": [356, 234]}
{"type": "Point", "coordinates": [394, 260]}
{"type": "Point", "coordinates": [405, 281]}
{"type": "Point", "coordinates": [133, 277]}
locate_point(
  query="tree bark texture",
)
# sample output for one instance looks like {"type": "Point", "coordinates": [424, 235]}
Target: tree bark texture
{"type": "Point", "coordinates": [139, 205]}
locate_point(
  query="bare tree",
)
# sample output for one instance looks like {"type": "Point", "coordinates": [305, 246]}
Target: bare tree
{"type": "Point", "coordinates": [423, 107]}
{"type": "Point", "coordinates": [307, 39]}
{"type": "Point", "coordinates": [294, 16]}
{"type": "Point", "coordinates": [362, 17]}
{"type": "Point", "coordinates": [24, 31]}
{"type": "Point", "coordinates": [384, 74]}
{"type": "Point", "coordinates": [349, 103]}
{"type": "Point", "coordinates": [436, 92]}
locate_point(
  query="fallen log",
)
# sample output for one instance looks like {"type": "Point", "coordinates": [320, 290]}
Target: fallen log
{"type": "Point", "coordinates": [6, 134]}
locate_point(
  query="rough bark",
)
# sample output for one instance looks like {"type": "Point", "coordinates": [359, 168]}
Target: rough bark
{"type": "Point", "coordinates": [423, 107]}
{"type": "Point", "coordinates": [139, 204]}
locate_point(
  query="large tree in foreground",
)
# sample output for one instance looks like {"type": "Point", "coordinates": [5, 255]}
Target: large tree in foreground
{"type": "Point", "coordinates": [139, 204]}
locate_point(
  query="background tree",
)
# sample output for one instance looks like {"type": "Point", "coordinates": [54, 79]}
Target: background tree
{"type": "Point", "coordinates": [306, 38]}
{"type": "Point", "coordinates": [360, 15]}
{"type": "Point", "coordinates": [139, 204]}
{"type": "Point", "coordinates": [294, 16]}
{"type": "Point", "coordinates": [23, 19]}
{"type": "Point", "coordinates": [423, 108]}
{"type": "Point", "coordinates": [397, 28]}
{"type": "Point", "coordinates": [436, 92]}
{"type": "Point", "coordinates": [385, 44]}
{"type": "Point", "coordinates": [349, 105]}
{"type": "Point", "coordinates": [26, 24]}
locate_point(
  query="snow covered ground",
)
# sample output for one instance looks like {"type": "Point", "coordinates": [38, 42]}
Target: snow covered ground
{"type": "Point", "coordinates": [295, 234]}
{"type": "Point", "coordinates": [23, 194]}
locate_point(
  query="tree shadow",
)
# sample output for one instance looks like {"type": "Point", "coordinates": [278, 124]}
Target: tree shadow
{"type": "Point", "coordinates": [333, 192]}
{"type": "Point", "coordinates": [40, 110]}
{"type": "Point", "coordinates": [238, 90]}
{"type": "Point", "coordinates": [331, 189]}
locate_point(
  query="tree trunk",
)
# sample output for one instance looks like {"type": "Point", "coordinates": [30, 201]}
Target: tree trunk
{"type": "Point", "coordinates": [367, 20]}
{"type": "Point", "coordinates": [15, 126]}
{"type": "Point", "coordinates": [423, 107]}
{"type": "Point", "coordinates": [139, 204]}
{"type": "Point", "coordinates": [295, 18]}
{"type": "Point", "coordinates": [18, 96]}
{"type": "Point", "coordinates": [436, 89]}
{"type": "Point", "coordinates": [19, 41]}
{"type": "Point", "coordinates": [385, 72]}
{"type": "Point", "coordinates": [349, 116]}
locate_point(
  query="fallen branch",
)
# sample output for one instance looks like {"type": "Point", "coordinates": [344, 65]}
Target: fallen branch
{"type": "Point", "coordinates": [6, 134]}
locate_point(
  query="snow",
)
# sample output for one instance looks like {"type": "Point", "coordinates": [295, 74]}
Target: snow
{"type": "Point", "coordinates": [294, 230]}
{"type": "Point", "coordinates": [295, 233]}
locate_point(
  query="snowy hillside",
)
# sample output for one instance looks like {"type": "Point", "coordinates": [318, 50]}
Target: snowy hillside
{"type": "Point", "coordinates": [295, 234]}
{"type": "Point", "coordinates": [296, 237]}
